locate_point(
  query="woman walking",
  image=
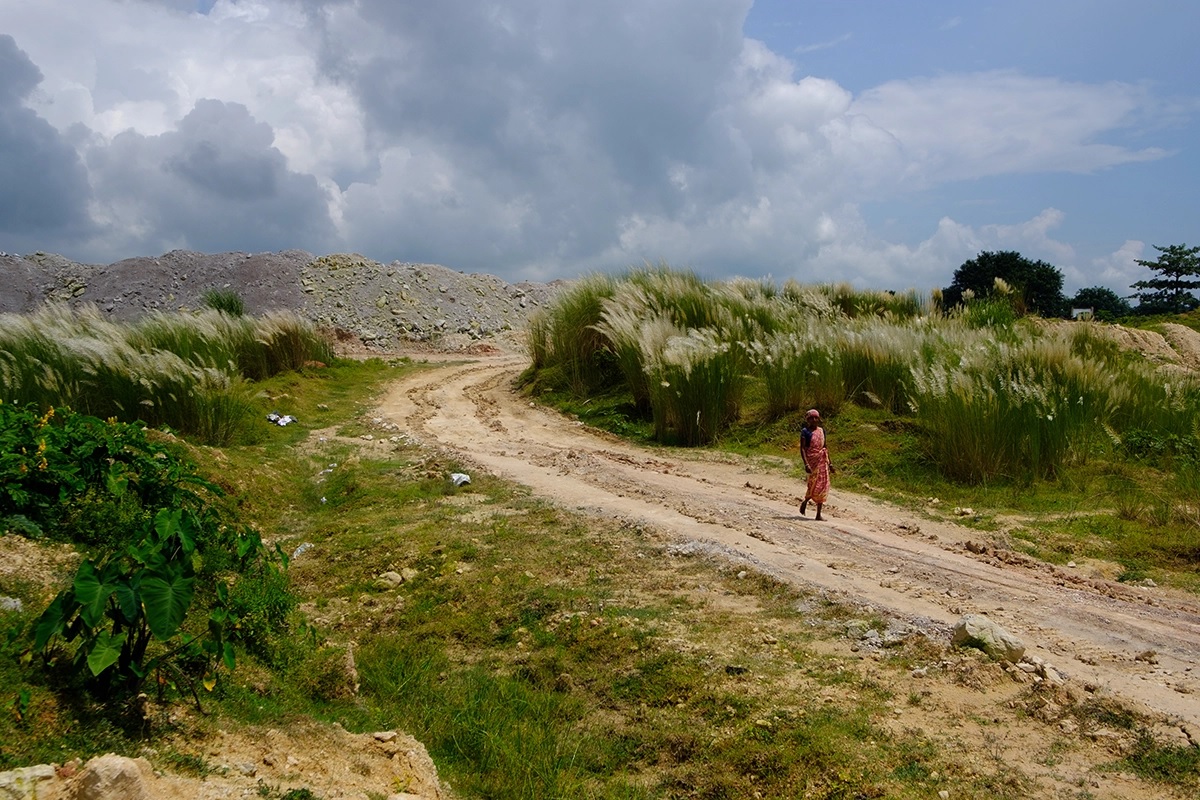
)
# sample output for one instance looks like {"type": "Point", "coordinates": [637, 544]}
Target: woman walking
{"type": "Point", "coordinates": [816, 461]}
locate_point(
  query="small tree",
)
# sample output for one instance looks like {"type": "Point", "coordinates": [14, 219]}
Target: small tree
{"type": "Point", "coordinates": [1104, 302]}
{"type": "Point", "coordinates": [1037, 286]}
{"type": "Point", "coordinates": [1178, 269]}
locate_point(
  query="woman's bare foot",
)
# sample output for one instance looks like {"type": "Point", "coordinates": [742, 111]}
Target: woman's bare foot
{"type": "Point", "coordinates": [819, 518]}
{"type": "Point", "coordinates": [803, 506]}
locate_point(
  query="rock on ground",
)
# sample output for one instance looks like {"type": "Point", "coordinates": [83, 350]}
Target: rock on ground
{"type": "Point", "coordinates": [976, 630]}
{"type": "Point", "coordinates": [113, 777]}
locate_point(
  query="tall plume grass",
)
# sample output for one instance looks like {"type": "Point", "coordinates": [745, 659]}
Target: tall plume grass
{"type": "Point", "coordinates": [799, 369]}
{"type": "Point", "coordinates": [563, 341]}
{"type": "Point", "coordinates": [995, 396]}
{"type": "Point", "coordinates": [189, 372]}
{"type": "Point", "coordinates": [1020, 411]}
{"type": "Point", "coordinates": [859, 303]}
{"type": "Point", "coordinates": [681, 346]}
{"type": "Point", "coordinates": [877, 356]}
{"type": "Point", "coordinates": [255, 348]}
{"type": "Point", "coordinates": [686, 348]}
{"type": "Point", "coordinates": [696, 384]}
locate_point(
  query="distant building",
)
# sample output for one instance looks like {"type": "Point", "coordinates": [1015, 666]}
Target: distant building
{"type": "Point", "coordinates": [1083, 313]}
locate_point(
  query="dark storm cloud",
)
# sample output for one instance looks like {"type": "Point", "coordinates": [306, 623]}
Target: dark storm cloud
{"type": "Point", "coordinates": [18, 75]}
{"type": "Point", "coordinates": [217, 179]}
{"type": "Point", "coordinates": [563, 119]}
{"type": "Point", "coordinates": [45, 185]}
{"type": "Point", "coordinates": [519, 137]}
{"type": "Point", "coordinates": [634, 81]}
{"type": "Point", "coordinates": [221, 151]}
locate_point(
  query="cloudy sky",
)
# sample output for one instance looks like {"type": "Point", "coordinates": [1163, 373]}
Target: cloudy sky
{"type": "Point", "coordinates": [877, 142]}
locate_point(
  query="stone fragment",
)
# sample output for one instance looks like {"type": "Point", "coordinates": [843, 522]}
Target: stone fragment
{"type": "Point", "coordinates": [976, 630]}
{"type": "Point", "coordinates": [113, 777]}
{"type": "Point", "coordinates": [22, 783]}
{"type": "Point", "coordinates": [390, 579]}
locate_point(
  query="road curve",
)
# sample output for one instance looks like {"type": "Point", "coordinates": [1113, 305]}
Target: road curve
{"type": "Point", "coordinates": [868, 552]}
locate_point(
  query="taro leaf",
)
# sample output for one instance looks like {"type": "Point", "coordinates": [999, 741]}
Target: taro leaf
{"type": "Point", "coordinates": [128, 601]}
{"type": "Point", "coordinates": [51, 621]}
{"type": "Point", "coordinates": [230, 658]}
{"type": "Point", "coordinates": [246, 543]}
{"type": "Point", "coordinates": [166, 522]}
{"type": "Point", "coordinates": [105, 651]}
{"type": "Point", "coordinates": [153, 559]}
{"type": "Point", "coordinates": [167, 594]}
{"type": "Point", "coordinates": [92, 594]}
{"type": "Point", "coordinates": [117, 480]}
{"type": "Point", "coordinates": [216, 626]}
{"type": "Point", "coordinates": [187, 532]}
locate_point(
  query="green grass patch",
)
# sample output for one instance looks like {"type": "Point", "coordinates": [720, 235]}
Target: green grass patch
{"type": "Point", "coordinates": [1175, 764]}
{"type": "Point", "coordinates": [533, 658]}
{"type": "Point", "coordinates": [537, 653]}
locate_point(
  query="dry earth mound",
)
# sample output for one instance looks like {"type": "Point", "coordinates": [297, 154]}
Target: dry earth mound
{"type": "Point", "coordinates": [326, 760]}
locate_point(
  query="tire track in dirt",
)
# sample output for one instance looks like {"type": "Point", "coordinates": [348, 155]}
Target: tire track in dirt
{"type": "Point", "coordinates": [867, 552]}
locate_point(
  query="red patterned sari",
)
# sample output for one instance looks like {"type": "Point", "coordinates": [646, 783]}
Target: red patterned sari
{"type": "Point", "coordinates": [816, 458]}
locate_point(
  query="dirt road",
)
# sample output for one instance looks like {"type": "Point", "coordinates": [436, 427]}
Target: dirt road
{"type": "Point", "coordinates": [1097, 632]}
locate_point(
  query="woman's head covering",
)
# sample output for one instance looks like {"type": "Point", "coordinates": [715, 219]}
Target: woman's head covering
{"type": "Point", "coordinates": [812, 412]}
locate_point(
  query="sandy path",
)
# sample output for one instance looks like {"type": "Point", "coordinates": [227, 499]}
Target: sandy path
{"type": "Point", "coordinates": [868, 552]}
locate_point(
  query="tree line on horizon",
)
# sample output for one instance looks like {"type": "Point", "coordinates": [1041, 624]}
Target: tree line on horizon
{"type": "Point", "coordinates": [1037, 285]}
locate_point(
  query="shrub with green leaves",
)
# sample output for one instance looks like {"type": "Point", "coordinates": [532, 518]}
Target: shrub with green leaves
{"type": "Point", "coordinates": [78, 478]}
{"type": "Point", "coordinates": [125, 610]}
{"type": "Point", "coordinates": [166, 544]}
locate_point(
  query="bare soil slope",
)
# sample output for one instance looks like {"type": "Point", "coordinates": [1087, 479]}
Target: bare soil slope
{"type": "Point", "coordinates": [1137, 643]}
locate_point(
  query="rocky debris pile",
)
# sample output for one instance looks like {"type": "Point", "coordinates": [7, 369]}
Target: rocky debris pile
{"type": "Point", "coordinates": [380, 304]}
{"type": "Point", "coordinates": [134, 287]}
{"type": "Point", "coordinates": [414, 301]}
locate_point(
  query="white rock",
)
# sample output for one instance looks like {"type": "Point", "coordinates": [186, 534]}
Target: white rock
{"type": "Point", "coordinates": [976, 630]}
{"type": "Point", "coordinates": [390, 579]}
{"type": "Point", "coordinates": [22, 783]}
{"type": "Point", "coordinates": [113, 777]}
